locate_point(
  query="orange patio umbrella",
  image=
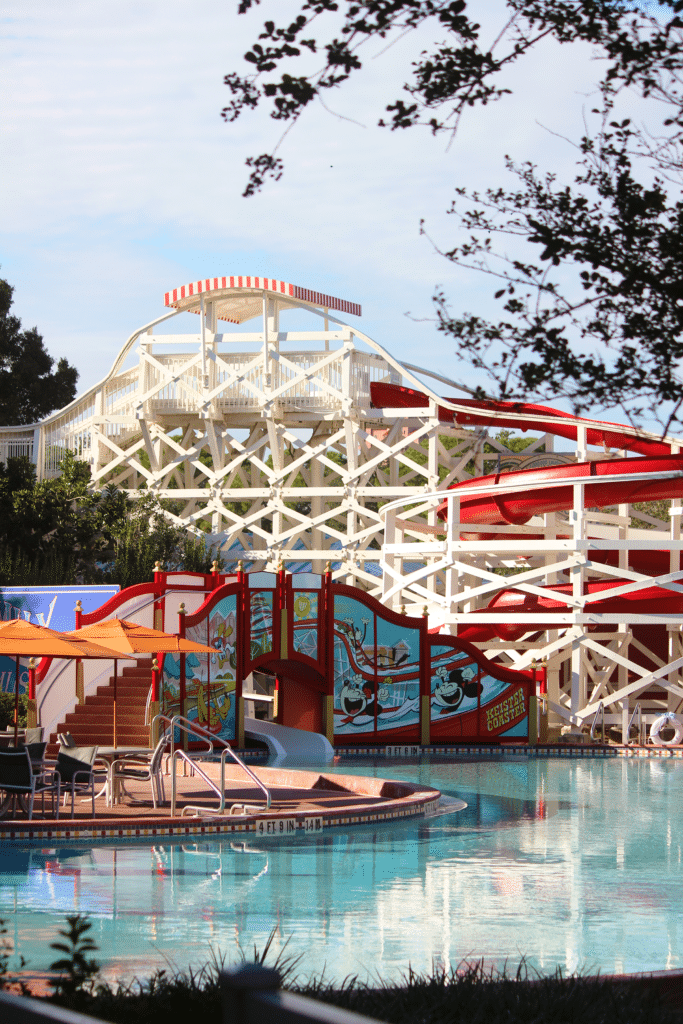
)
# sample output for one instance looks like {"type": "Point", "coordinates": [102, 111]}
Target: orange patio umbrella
{"type": "Point", "coordinates": [129, 639]}
{"type": "Point", "coordinates": [132, 640]}
{"type": "Point", "coordinates": [20, 638]}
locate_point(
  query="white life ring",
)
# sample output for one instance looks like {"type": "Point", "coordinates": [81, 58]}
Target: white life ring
{"type": "Point", "coordinates": [666, 721]}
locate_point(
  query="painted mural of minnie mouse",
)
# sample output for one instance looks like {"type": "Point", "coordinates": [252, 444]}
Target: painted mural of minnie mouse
{"type": "Point", "coordinates": [453, 687]}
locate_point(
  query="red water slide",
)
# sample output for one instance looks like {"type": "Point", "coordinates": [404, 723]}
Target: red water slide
{"type": "Point", "coordinates": [611, 435]}
{"type": "Point", "coordinates": [516, 507]}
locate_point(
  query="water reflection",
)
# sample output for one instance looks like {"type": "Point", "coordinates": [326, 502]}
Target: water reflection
{"type": "Point", "coordinates": [568, 863]}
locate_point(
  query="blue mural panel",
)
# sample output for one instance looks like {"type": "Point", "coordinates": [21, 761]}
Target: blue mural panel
{"type": "Point", "coordinates": [354, 667]}
{"type": "Point", "coordinates": [398, 675]}
{"type": "Point", "coordinates": [466, 701]}
{"type": "Point", "coordinates": [305, 622]}
{"type": "Point", "coordinates": [8, 672]}
{"type": "Point", "coordinates": [261, 618]}
{"type": "Point", "coordinates": [210, 679]}
{"type": "Point", "coordinates": [52, 606]}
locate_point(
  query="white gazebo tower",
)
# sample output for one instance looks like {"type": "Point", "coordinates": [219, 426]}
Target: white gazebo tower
{"type": "Point", "coordinates": [260, 436]}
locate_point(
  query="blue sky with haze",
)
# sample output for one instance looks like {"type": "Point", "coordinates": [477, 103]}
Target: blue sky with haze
{"type": "Point", "coordinates": [120, 180]}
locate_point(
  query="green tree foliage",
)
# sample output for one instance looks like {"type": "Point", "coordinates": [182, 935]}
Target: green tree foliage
{"type": "Point", "coordinates": [456, 73]}
{"type": "Point", "coordinates": [58, 532]}
{"type": "Point", "coordinates": [29, 386]}
{"type": "Point", "coordinates": [597, 317]}
{"type": "Point", "coordinates": [591, 296]}
{"type": "Point", "coordinates": [7, 714]}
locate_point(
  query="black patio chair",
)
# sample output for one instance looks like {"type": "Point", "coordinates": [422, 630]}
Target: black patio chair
{"type": "Point", "coordinates": [36, 746]}
{"type": "Point", "coordinates": [36, 751]}
{"type": "Point", "coordinates": [17, 779]}
{"type": "Point", "coordinates": [75, 770]}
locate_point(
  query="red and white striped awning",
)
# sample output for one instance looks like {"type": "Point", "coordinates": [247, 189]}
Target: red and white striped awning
{"type": "Point", "coordinates": [239, 299]}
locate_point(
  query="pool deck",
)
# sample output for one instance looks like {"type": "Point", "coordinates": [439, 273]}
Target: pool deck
{"type": "Point", "coordinates": [303, 802]}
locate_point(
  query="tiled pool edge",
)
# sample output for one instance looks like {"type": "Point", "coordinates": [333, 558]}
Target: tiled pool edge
{"type": "Point", "coordinates": [393, 810]}
{"type": "Point", "coordinates": [510, 750]}
{"type": "Point", "coordinates": [501, 751]}
{"type": "Point", "coordinates": [400, 800]}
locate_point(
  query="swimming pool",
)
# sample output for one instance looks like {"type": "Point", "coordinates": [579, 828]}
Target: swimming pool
{"type": "Point", "coordinates": [575, 863]}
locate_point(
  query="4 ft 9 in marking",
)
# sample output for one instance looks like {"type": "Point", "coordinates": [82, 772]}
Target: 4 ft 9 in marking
{"type": "Point", "coordinates": [287, 826]}
{"type": "Point", "coordinates": [276, 826]}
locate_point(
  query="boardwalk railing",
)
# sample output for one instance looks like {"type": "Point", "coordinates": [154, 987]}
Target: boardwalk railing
{"type": "Point", "coordinates": [252, 995]}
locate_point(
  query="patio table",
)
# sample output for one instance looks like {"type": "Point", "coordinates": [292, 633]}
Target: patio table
{"type": "Point", "coordinates": [111, 754]}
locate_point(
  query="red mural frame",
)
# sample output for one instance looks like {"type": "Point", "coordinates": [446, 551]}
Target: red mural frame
{"type": "Point", "coordinates": [452, 729]}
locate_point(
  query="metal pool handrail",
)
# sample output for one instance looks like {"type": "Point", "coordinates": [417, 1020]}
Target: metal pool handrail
{"type": "Point", "coordinates": [636, 711]}
{"type": "Point", "coordinates": [599, 712]}
{"type": "Point", "coordinates": [191, 728]}
{"type": "Point", "coordinates": [220, 793]}
{"type": "Point", "coordinates": [185, 725]}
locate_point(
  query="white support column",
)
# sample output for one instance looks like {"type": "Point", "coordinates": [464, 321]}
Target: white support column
{"type": "Point", "coordinates": [38, 456]}
{"type": "Point", "coordinates": [389, 556]}
{"type": "Point", "coordinates": [623, 631]}
{"type": "Point", "coordinates": [267, 367]}
{"type": "Point", "coordinates": [581, 443]}
{"type": "Point", "coordinates": [433, 484]}
{"type": "Point", "coordinates": [317, 508]}
{"type": "Point", "coordinates": [452, 537]}
{"type": "Point", "coordinates": [351, 438]}
{"type": "Point", "coordinates": [577, 520]}
{"type": "Point", "coordinates": [202, 320]}
{"type": "Point", "coordinates": [277, 451]}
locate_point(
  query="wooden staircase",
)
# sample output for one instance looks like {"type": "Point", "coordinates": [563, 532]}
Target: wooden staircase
{"type": "Point", "coordinates": [93, 722]}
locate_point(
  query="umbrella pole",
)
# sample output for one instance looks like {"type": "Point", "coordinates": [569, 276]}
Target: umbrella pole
{"type": "Point", "coordinates": [116, 665]}
{"type": "Point", "coordinates": [16, 703]}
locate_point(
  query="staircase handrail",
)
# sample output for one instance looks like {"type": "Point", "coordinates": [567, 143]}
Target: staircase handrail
{"type": "Point", "coordinates": [116, 600]}
{"type": "Point", "coordinates": [193, 728]}
{"type": "Point", "coordinates": [142, 589]}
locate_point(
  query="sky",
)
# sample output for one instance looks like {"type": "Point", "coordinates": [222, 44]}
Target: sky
{"type": "Point", "coordinates": [119, 179]}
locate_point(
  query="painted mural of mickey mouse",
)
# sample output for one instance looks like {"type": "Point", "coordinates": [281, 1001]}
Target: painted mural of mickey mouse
{"type": "Point", "coordinates": [357, 698]}
{"type": "Point", "coordinates": [351, 698]}
{"type": "Point", "coordinates": [453, 687]}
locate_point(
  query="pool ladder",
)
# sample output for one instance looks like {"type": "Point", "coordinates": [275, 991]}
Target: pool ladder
{"type": "Point", "coordinates": [600, 713]}
{"type": "Point", "coordinates": [636, 711]}
{"type": "Point", "coordinates": [192, 729]}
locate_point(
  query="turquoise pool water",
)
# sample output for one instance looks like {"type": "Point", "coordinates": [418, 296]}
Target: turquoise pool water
{"type": "Point", "coordinates": [570, 863]}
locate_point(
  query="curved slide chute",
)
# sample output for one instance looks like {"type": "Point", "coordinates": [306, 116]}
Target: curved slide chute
{"type": "Point", "coordinates": [515, 507]}
{"type": "Point", "coordinates": [289, 746]}
{"type": "Point", "coordinates": [480, 413]}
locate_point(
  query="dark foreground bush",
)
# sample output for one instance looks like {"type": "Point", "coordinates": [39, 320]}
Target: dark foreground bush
{"type": "Point", "coordinates": [468, 995]}
{"type": "Point", "coordinates": [471, 995]}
